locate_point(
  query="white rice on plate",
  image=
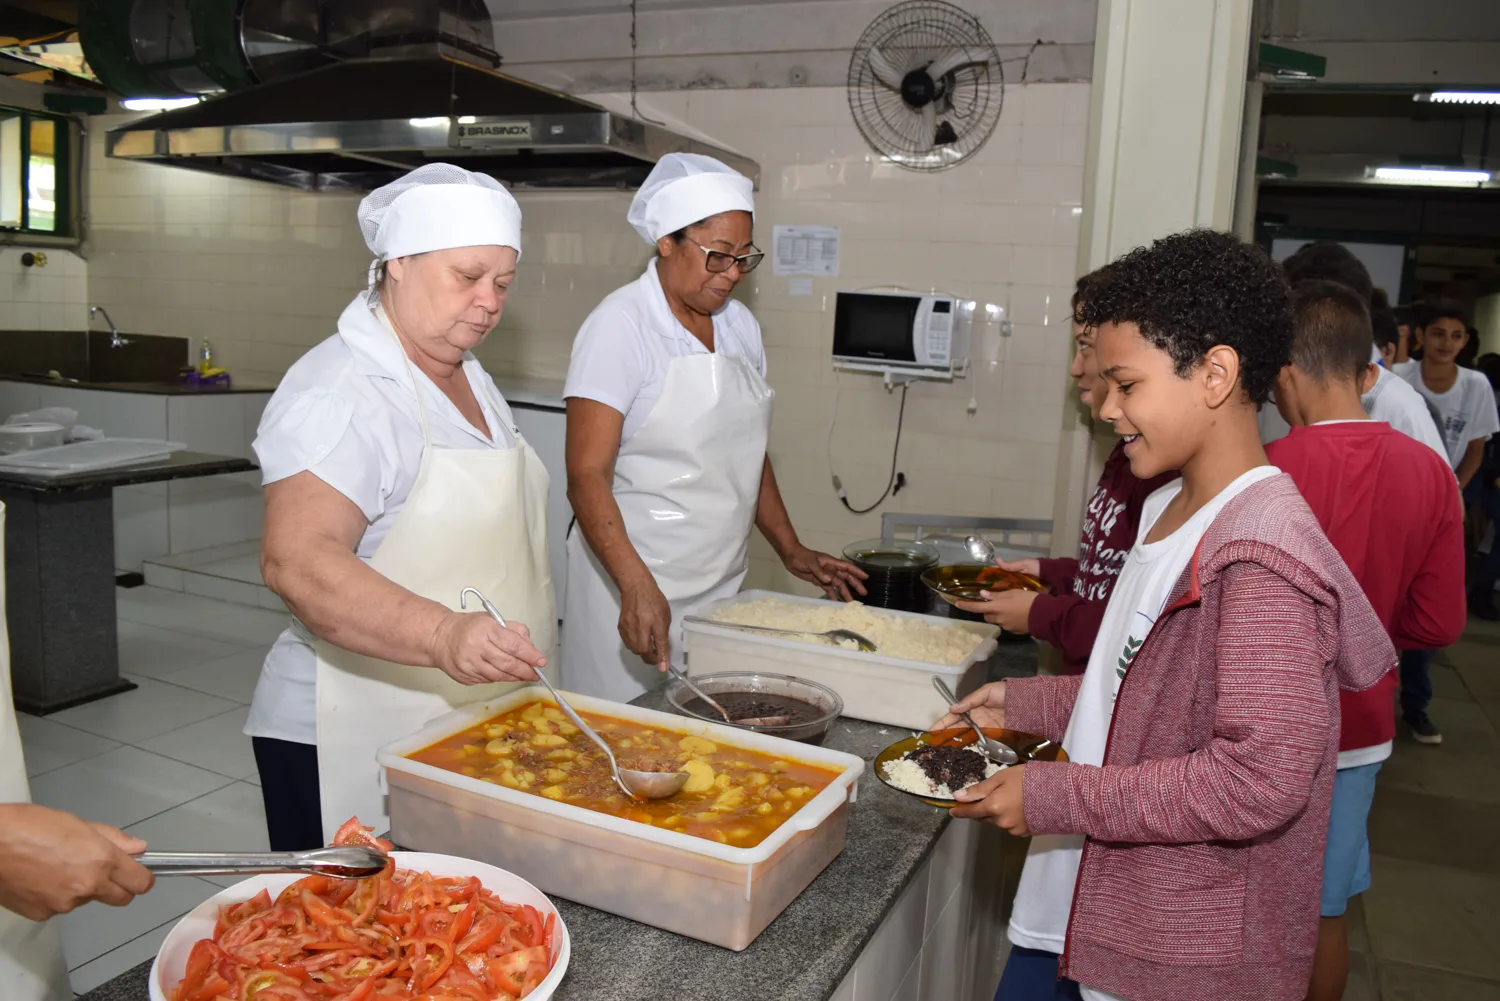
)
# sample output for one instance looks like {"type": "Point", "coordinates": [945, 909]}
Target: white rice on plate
{"type": "Point", "coordinates": [908, 776]}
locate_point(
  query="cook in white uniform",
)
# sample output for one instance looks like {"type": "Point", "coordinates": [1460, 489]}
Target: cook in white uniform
{"type": "Point", "coordinates": [50, 861]}
{"type": "Point", "coordinates": [668, 413]}
{"type": "Point", "coordinates": [395, 478]}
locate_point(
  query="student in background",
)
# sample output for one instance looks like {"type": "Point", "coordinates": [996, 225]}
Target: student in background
{"type": "Point", "coordinates": [1385, 397]}
{"type": "Point", "coordinates": [1068, 618]}
{"type": "Point", "coordinates": [1203, 735]}
{"type": "Point", "coordinates": [1353, 471]}
{"type": "Point", "coordinates": [1464, 404]}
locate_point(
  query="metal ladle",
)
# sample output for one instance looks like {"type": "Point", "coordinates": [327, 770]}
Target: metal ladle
{"type": "Point", "coordinates": [864, 643]}
{"type": "Point", "coordinates": [636, 784]}
{"type": "Point", "coordinates": [743, 721]}
{"type": "Point", "coordinates": [989, 747]}
{"type": "Point", "coordinates": [340, 861]}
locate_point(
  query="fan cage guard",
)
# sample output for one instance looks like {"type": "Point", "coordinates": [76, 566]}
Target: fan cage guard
{"type": "Point", "coordinates": [912, 35]}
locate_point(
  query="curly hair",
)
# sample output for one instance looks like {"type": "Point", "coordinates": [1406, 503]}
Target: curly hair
{"type": "Point", "coordinates": [1193, 290]}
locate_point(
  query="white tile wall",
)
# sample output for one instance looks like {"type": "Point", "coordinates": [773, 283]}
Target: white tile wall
{"type": "Point", "coordinates": [263, 271]}
{"type": "Point", "coordinates": [53, 297]}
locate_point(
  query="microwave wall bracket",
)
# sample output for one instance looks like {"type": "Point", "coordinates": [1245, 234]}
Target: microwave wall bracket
{"type": "Point", "coordinates": [900, 375]}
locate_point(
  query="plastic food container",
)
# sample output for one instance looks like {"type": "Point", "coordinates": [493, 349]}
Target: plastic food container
{"type": "Point", "coordinates": [874, 687]}
{"type": "Point", "coordinates": [662, 878]}
{"type": "Point", "coordinates": [32, 435]}
{"type": "Point", "coordinates": [819, 697]}
{"type": "Point", "coordinates": [172, 957]}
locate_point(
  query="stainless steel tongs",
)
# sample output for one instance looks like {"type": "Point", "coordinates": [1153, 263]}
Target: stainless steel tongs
{"type": "Point", "coordinates": [343, 862]}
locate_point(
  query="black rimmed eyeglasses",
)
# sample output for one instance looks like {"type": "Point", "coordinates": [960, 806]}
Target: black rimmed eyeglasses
{"type": "Point", "coordinates": [718, 262]}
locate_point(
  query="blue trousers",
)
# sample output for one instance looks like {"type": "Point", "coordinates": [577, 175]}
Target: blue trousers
{"type": "Point", "coordinates": [1031, 975]}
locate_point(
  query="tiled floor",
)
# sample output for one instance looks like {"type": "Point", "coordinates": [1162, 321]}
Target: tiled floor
{"type": "Point", "coordinates": [168, 762]}
{"type": "Point", "coordinates": [1426, 929]}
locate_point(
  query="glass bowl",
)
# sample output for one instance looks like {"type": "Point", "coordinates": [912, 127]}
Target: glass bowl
{"type": "Point", "coordinates": [820, 697]}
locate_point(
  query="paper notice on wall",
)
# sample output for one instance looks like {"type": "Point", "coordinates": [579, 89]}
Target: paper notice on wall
{"type": "Point", "coordinates": [805, 250]}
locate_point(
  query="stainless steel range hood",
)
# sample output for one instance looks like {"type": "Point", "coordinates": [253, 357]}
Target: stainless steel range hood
{"type": "Point", "coordinates": [356, 125]}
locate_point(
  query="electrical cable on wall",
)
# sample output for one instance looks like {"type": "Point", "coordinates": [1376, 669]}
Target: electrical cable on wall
{"type": "Point", "coordinates": [896, 481]}
{"type": "Point", "coordinates": [634, 110]}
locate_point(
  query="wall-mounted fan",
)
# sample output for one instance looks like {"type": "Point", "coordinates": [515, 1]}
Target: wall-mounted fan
{"type": "Point", "coordinates": [925, 84]}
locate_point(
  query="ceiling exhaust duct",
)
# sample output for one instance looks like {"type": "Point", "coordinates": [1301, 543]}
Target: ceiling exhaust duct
{"type": "Point", "coordinates": [349, 94]}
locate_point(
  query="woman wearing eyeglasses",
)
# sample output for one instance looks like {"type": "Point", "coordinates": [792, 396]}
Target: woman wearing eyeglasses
{"type": "Point", "coordinates": [668, 414]}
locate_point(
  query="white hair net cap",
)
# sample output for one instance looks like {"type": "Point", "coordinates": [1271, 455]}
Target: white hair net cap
{"type": "Point", "coordinates": [684, 188]}
{"type": "Point", "coordinates": [438, 206]}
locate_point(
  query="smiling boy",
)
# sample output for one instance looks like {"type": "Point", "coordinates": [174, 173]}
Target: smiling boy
{"type": "Point", "coordinates": [1203, 735]}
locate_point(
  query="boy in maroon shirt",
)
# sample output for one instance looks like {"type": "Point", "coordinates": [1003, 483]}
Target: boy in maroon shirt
{"type": "Point", "coordinates": [1353, 472]}
{"type": "Point", "coordinates": [1069, 616]}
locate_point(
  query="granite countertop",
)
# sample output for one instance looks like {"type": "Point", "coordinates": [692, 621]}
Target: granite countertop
{"type": "Point", "coordinates": [177, 466]}
{"type": "Point", "coordinates": [149, 388]}
{"type": "Point", "coordinates": [805, 953]}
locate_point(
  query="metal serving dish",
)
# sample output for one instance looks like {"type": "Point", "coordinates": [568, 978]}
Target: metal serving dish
{"type": "Point", "coordinates": [965, 581]}
{"type": "Point", "coordinates": [820, 697]}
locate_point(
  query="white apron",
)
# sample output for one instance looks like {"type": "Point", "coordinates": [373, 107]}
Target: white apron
{"type": "Point", "coordinates": [475, 517]}
{"type": "Point", "coordinates": [31, 958]}
{"type": "Point", "coordinates": [687, 483]}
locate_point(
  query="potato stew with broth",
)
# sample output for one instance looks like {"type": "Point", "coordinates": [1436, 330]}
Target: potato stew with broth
{"type": "Point", "coordinates": [733, 796]}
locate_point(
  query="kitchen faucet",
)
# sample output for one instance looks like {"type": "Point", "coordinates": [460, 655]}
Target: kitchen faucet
{"type": "Point", "coordinates": [116, 340]}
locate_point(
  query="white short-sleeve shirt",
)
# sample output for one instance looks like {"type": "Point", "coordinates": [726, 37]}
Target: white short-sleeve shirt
{"type": "Point", "coordinates": [1393, 400]}
{"type": "Point", "coordinates": [623, 349]}
{"type": "Point", "coordinates": [346, 413]}
{"type": "Point", "coordinates": [1464, 413]}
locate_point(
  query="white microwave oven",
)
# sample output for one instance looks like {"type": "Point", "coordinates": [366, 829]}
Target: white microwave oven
{"type": "Point", "coordinates": [902, 331]}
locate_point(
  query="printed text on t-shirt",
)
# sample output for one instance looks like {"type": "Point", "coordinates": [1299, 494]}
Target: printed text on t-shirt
{"type": "Point", "coordinates": [1100, 564]}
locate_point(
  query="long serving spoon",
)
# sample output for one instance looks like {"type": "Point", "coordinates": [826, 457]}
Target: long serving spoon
{"type": "Point", "coordinates": [990, 748]}
{"type": "Point", "coordinates": [340, 861]}
{"type": "Point", "coordinates": [636, 784]}
{"type": "Point", "coordinates": [864, 643]}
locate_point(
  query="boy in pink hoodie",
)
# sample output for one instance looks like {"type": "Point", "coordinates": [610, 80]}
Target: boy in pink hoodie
{"type": "Point", "coordinates": [1185, 836]}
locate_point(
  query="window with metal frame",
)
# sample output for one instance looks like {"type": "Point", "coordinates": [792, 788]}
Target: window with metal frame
{"type": "Point", "coordinates": [36, 177]}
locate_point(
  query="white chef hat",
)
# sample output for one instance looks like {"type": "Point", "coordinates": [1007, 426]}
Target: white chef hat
{"type": "Point", "coordinates": [438, 206]}
{"type": "Point", "coordinates": [684, 188]}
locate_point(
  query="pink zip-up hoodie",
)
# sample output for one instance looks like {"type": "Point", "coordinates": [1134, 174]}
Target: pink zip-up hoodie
{"type": "Point", "coordinates": [1201, 871]}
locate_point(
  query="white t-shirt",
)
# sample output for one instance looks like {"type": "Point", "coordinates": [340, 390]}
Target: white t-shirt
{"type": "Point", "coordinates": [1393, 400]}
{"type": "Point", "coordinates": [346, 412]}
{"type": "Point", "coordinates": [1464, 413]}
{"type": "Point", "coordinates": [1039, 919]}
{"type": "Point", "coordinates": [623, 349]}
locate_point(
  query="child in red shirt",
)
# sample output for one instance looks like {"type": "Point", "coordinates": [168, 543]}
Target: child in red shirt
{"type": "Point", "coordinates": [1352, 472]}
{"type": "Point", "coordinates": [1069, 616]}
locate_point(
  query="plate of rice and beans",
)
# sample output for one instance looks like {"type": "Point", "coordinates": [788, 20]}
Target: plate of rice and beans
{"type": "Point", "coordinates": [933, 766]}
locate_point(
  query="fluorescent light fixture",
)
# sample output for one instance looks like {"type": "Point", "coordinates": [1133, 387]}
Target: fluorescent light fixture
{"type": "Point", "coordinates": [157, 103]}
{"type": "Point", "coordinates": [1430, 175]}
{"type": "Point", "coordinates": [1460, 97]}
{"type": "Point", "coordinates": [429, 123]}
